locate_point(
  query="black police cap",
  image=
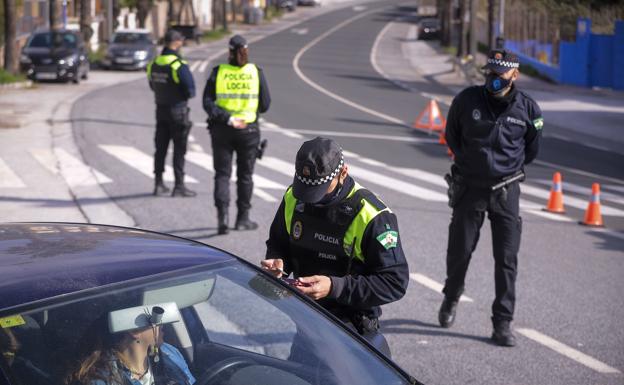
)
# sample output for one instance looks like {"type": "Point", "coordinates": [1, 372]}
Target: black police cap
{"type": "Point", "coordinates": [318, 162]}
{"type": "Point", "coordinates": [501, 61]}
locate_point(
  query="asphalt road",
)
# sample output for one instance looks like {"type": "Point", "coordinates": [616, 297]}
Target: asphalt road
{"type": "Point", "coordinates": [569, 285]}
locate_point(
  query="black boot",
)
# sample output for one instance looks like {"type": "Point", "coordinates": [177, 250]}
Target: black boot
{"type": "Point", "coordinates": [222, 219]}
{"type": "Point", "coordinates": [446, 316]}
{"type": "Point", "coordinates": [159, 186]}
{"type": "Point", "coordinates": [243, 222]}
{"type": "Point", "coordinates": [502, 334]}
{"type": "Point", "coordinates": [181, 190]}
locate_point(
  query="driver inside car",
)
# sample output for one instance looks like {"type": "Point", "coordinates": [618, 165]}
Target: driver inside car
{"type": "Point", "coordinates": [132, 357]}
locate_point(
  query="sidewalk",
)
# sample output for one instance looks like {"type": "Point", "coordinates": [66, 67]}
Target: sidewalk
{"type": "Point", "coordinates": [579, 114]}
{"type": "Point", "coordinates": [43, 176]}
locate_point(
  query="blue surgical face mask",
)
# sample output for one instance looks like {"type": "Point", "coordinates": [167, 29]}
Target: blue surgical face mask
{"type": "Point", "coordinates": [495, 84]}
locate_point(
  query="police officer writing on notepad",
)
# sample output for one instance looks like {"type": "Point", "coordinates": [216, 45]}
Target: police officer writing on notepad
{"type": "Point", "coordinates": [493, 131]}
{"type": "Point", "coordinates": [235, 95]}
{"type": "Point", "coordinates": [172, 82]}
{"type": "Point", "coordinates": [339, 240]}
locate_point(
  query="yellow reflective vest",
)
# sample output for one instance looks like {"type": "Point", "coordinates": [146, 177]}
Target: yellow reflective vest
{"type": "Point", "coordinates": [238, 91]}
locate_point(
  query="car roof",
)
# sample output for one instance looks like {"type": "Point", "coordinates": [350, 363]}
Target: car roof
{"type": "Point", "coordinates": [44, 260]}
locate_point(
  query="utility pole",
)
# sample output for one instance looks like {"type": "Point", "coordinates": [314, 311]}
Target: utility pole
{"type": "Point", "coordinates": [52, 15]}
{"type": "Point", "coordinates": [109, 18]}
{"type": "Point", "coordinates": [225, 23]}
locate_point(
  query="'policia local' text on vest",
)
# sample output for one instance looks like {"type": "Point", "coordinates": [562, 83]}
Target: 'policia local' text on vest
{"type": "Point", "coordinates": [238, 91]}
{"type": "Point", "coordinates": [328, 240]}
{"type": "Point", "coordinates": [163, 75]}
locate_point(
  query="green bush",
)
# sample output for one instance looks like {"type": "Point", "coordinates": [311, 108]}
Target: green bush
{"type": "Point", "coordinates": [7, 77]}
{"type": "Point", "coordinates": [214, 34]}
{"type": "Point", "coordinates": [97, 55]}
{"type": "Point", "coordinates": [273, 12]}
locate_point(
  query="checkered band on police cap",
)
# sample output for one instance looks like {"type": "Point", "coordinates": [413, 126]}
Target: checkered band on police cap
{"type": "Point", "coordinates": [503, 63]}
{"type": "Point", "coordinates": [323, 180]}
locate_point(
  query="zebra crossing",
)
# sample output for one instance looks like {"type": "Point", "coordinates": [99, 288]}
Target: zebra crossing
{"type": "Point", "coordinates": [273, 175]}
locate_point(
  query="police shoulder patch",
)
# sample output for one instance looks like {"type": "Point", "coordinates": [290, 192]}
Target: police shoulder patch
{"type": "Point", "coordinates": [538, 123]}
{"type": "Point", "coordinates": [388, 239]}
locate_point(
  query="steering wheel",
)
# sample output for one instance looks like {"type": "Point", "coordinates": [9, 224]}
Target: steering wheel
{"type": "Point", "coordinates": [213, 374]}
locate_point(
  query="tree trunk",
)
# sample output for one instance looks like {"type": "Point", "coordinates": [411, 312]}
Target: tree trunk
{"type": "Point", "coordinates": [461, 36]}
{"type": "Point", "coordinates": [447, 13]}
{"type": "Point", "coordinates": [53, 17]}
{"type": "Point", "coordinates": [10, 54]}
{"type": "Point", "coordinates": [85, 21]}
{"type": "Point", "coordinates": [491, 37]}
{"type": "Point", "coordinates": [143, 7]}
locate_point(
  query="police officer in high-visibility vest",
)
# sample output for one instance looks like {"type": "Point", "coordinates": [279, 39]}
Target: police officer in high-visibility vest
{"type": "Point", "coordinates": [339, 240]}
{"type": "Point", "coordinates": [235, 94]}
{"type": "Point", "coordinates": [172, 82]}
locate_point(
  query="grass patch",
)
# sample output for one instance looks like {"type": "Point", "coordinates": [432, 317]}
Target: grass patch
{"type": "Point", "coordinates": [450, 50]}
{"type": "Point", "coordinates": [98, 55]}
{"type": "Point", "coordinates": [214, 34]}
{"type": "Point", "coordinates": [273, 12]}
{"type": "Point", "coordinates": [7, 77]}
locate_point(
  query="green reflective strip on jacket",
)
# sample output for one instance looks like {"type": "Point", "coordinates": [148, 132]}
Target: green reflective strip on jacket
{"type": "Point", "coordinates": [167, 60]}
{"type": "Point", "coordinates": [356, 230]}
{"type": "Point", "coordinates": [289, 208]}
{"type": "Point", "coordinates": [352, 242]}
{"type": "Point", "coordinates": [238, 91]}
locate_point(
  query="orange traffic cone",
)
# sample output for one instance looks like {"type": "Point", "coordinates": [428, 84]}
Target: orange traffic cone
{"type": "Point", "coordinates": [430, 118]}
{"type": "Point", "coordinates": [592, 214]}
{"type": "Point", "coordinates": [555, 202]}
{"type": "Point", "coordinates": [442, 138]}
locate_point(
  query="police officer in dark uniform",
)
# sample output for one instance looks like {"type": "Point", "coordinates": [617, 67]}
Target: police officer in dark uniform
{"type": "Point", "coordinates": [172, 82]}
{"type": "Point", "coordinates": [493, 131]}
{"type": "Point", "coordinates": [339, 240]}
{"type": "Point", "coordinates": [235, 94]}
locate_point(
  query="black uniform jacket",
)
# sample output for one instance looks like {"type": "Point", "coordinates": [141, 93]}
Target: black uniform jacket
{"type": "Point", "coordinates": [490, 142]}
{"type": "Point", "coordinates": [386, 271]}
{"type": "Point", "coordinates": [216, 114]}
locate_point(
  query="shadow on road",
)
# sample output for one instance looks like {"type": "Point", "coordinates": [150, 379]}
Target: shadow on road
{"type": "Point", "coordinates": [410, 326]}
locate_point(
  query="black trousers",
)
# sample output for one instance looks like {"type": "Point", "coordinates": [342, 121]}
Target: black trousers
{"type": "Point", "coordinates": [172, 123]}
{"type": "Point", "coordinates": [468, 215]}
{"type": "Point", "coordinates": [226, 141]}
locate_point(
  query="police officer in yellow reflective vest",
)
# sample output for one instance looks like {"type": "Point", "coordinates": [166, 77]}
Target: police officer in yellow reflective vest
{"type": "Point", "coordinates": [172, 82]}
{"type": "Point", "coordinates": [235, 94]}
{"type": "Point", "coordinates": [339, 240]}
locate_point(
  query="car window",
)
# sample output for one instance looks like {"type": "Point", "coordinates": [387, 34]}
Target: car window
{"type": "Point", "coordinates": [57, 39]}
{"type": "Point", "coordinates": [128, 38]}
{"type": "Point", "coordinates": [230, 323]}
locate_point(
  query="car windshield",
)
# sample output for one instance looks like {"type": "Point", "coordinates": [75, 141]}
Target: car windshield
{"type": "Point", "coordinates": [130, 38]}
{"type": "Point", "coordinates": [430, 23]}
{"type": "Point", "coordinates": [235, 325]}
{"type": "Point", "coordinates": [56, 39]}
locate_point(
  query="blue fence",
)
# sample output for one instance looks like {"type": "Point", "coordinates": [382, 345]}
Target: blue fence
{"type": "Point", "coordinates": [592, 60]}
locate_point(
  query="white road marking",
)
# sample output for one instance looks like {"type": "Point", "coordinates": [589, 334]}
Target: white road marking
{"type": "Point", "coordinates": [287, 168]}
{"type": "Point", "coordinates": [570, 201]}
{"type": "Point", "coordinates": [204, 161]}
{"type": "Point", "coordinates": [299, 31]}
{"type": "Point", "coordinates": [536, 209]}
{"type": "Point", "coordinates": [194, 66]}
{"type": "Point", "coordinates": [46, 158]}
{"type": "Point", "coordinates": [312, 84]}
{"type": "Point", "coordinates": [567, 351]}
{"type": "Point", "coordinates": [270, 127]}
{"type": "Point", "coordinates": [140, 161]}
{"type": "Point", "coordinates": [558, 167]}
{"type": "Point", "coordinates": [359, 8]}
{"type": "Point", "coordinates": [584, 191]}
{"type": "Point", "coordinates": [435, 286]}
{"type": "Point", "coordinates": [397, 138]}
{"type": "Point", "coordinates": [77, 173]}
{"type": "Point", "coordinates": [8, 179]}
{"type": "Point", "coordinates": [617, 188]}
{"type": "Point", "coordinates": [203, 65]}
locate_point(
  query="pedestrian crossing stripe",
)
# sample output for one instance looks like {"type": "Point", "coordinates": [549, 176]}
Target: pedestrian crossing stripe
{"type": "Point", "coordinates": [388, 239]}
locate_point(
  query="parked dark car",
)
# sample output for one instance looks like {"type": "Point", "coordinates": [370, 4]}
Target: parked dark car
{"type": "Point", "coordinates": [55, 55]}
{"type": "Point", "coordinates": [289, 5]}
{"type": "Point", "coordinates": [312, 3]}
{"type": "Point", "coordinates": [64, 285]}
{"type": "Point", "coordinates": [130, 50]}
{"type": "Point", "coordinates": [429, 28]}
